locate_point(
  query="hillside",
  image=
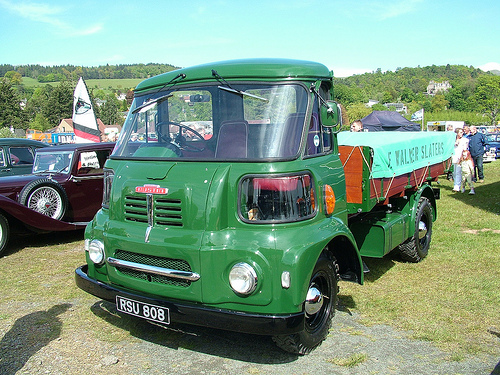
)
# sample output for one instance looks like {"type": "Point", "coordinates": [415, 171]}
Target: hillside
{"type": "Point", "coordinates": [463, 99]}
{"type": "Point", "coordinates": [100, 84]}
{"type": "Point", "coordinates": [46, 74]}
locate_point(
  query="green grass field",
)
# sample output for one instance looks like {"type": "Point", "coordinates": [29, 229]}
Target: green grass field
{"type": "Point", "coordinates": [104, 84]}
{"type": "Point", "coordinates": [453, 296]}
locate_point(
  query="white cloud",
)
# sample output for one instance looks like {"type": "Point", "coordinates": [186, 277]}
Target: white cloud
{"type": "Point", "coordinates": [390, 9]}
{"type": "Point", "coordinates": [490, 66]}
{"type": "Point", "coordinates": [47, 14]}
{"type": "Point", "coordinates": [31, 10]}
{"type": "Point", "coordinates": [89, 31]}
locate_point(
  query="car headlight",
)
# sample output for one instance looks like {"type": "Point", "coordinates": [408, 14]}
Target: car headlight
{"type": "Point", "coordinates": [243, 278]}
{"type": "Point", "coordinates": [96, 251]}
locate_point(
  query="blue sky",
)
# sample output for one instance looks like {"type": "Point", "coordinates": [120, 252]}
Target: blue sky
{"type": "Point", "coordinates": [348, 36]}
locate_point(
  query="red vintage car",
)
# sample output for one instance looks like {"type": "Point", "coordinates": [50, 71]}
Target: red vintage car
{"type": "Point", "coordinates": [63, 192]}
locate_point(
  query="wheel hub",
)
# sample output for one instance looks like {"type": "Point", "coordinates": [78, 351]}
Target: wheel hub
{"type": "Point", "coordinates": [422, 230]}
{"type": "Point", "coordinates": [43, 205]}
{"type": "Point", "coordinates": [314, 301]}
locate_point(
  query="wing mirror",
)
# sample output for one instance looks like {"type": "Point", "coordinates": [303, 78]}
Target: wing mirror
{"type": "Point", "coordinates": [331, 114]}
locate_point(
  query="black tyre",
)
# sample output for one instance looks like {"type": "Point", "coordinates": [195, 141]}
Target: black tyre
{"type": "Point", "coordinates": [4, 233]}
{"type": "Point", "coordinates": [46, 197]}
{"type": "Point", "coordinates": [319, 308]}
{"type": "Point", "coordinates": [416, 247]}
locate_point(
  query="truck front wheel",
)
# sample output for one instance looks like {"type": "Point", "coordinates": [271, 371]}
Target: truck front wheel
{"type": "Point", "coordinates": [319, 308]}
{"type": "Point", "coordinates": [416, 247]}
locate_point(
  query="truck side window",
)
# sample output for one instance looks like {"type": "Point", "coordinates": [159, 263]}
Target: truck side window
{"type": "Point", "coordinates": [2, 159]}
{"type": "Point", "coordinates": [319, 138]}
{"type": "Point", "coordinates": [313, 145]}
{"type": "Point", "coordinates": [326, 132]}
{"type": "Point", "coordinates": [327, 138]}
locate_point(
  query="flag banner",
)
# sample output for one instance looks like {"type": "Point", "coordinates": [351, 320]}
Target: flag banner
{"type": "Point", "coordinates": [417, 116]}
{"type": "Point", "coordinates": [84, 121]}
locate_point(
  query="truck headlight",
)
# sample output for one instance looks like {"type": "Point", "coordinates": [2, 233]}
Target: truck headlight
{"type": "Point", "coordinates": [243, 278]}
{"type": "Point", "coordinates": [96, 252]}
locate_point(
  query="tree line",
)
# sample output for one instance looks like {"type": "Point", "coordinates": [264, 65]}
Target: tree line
{"type": "Point", "coordinates": [44, 107]}
{"type": "Point", "coordinates": [473, 98]}
{"type": "Point", "coordinates": [60, 73]}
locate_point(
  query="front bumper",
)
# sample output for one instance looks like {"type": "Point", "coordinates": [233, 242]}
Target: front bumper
{"type": "Point", "coordinates": [181, 312]}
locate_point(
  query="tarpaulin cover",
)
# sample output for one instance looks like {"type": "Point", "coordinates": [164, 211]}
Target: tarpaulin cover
{"type": "Point", "coordinates": [388, 120]}
{"type": "Point", "coordinates": [396, 153]}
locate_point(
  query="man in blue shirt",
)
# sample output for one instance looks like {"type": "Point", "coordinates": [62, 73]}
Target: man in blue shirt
{"type": "Point", "coordinates": [477, 146]}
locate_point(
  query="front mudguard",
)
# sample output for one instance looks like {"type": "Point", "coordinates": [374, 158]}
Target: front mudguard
{"type": "Point", "coordinates": [301, 257]}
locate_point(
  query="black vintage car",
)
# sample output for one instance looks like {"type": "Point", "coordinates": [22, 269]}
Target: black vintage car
{"type": "Point", "coordinates": [17, 154]}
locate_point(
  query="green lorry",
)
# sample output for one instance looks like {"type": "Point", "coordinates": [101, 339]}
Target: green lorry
{"type": "Point", "coordinates": [232, 201]}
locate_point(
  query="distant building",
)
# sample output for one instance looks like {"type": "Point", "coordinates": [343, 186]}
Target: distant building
{"type": "Point", "coordinates": [400, 107]}
{"type": "Point", "coordinates": [434, 87]}
{"type": "Point", "coordinates": [66, 126]}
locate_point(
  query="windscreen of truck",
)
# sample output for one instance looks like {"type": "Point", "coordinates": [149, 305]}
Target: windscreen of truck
{"type": "Point", "coordinates": [218, 122]}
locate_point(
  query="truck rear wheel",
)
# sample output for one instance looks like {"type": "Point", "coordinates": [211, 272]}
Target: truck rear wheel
{"type": "Point", "coordinates": [46, 197]}
{"type": "Point", "coordinates": [319, 308]}
{"type": "Point", "coordinates": [416, 247]}
{"type": "Point", "coordinates": [4, 233]}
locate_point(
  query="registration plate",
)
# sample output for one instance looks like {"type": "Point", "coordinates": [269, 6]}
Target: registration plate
{"type": "Point", "coordinates": [155, 313]}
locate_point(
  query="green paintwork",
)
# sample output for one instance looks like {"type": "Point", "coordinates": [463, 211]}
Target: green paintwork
{"type": "Point", "coordinates": [205, 229]}
{"type": "Point", "coordinates": [248, 69]}
{"type": "Point", "coordinates": [213, 238]}
{"type": "Point", "coordinates": [378, 234]}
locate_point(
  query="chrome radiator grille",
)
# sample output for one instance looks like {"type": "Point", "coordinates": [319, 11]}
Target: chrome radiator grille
{"type": "Point", "coordinates": [175, 264]}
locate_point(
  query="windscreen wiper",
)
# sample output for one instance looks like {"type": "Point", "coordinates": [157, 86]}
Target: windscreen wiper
{"type": "Point", "coordinates": [145, 106]}
{"type": "Point", "coordinates": [227, 87]}
{"type": "Point", "coordinates": [150, 101]}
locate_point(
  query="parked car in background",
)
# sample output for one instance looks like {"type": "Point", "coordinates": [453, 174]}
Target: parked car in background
{"type": "Point", "coordinates": [493, 141]}
{"type": "Point", "coordinates": [64, 191]}
{"type": "Point", "coordinates": [17, 154]}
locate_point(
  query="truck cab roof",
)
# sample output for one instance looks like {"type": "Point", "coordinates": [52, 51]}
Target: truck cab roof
{"type": "Point", "coordinates": [248, 69]}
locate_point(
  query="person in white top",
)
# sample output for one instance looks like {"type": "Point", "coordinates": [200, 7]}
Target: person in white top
{"type": "Point", "coordinates": [461, 145]}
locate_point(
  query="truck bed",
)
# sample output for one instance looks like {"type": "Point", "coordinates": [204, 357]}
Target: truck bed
{"type": "Point", "coordinates": [381, 165]}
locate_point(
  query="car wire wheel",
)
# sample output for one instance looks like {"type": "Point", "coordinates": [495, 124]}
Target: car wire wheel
{"type": "Point", "coordinates": [46, 197]}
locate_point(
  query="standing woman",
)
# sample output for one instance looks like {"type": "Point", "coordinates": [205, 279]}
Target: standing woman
{"type": "Point", "coordinates": [461, 145]}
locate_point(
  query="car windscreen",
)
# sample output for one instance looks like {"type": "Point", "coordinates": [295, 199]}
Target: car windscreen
{"type": "Point", "coordinates": [58, 161]}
